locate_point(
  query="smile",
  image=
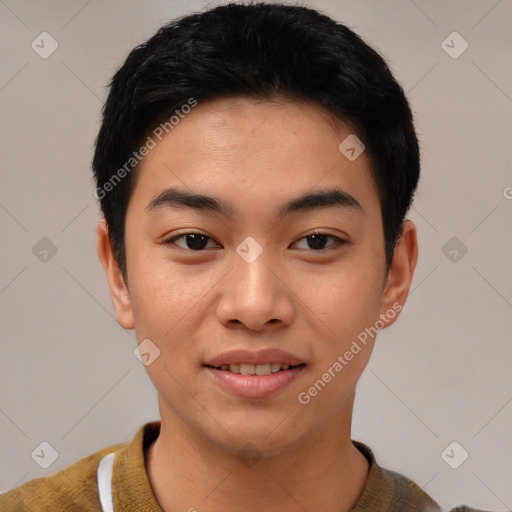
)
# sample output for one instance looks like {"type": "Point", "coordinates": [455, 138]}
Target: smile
{"type": "Point", "coordinates": [255, 369]}
{"type": "Point", "coordinates": [254, 381]}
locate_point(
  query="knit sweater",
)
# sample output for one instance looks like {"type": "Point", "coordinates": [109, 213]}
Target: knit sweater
{"type": "Point", "coordinates": [75, 488]}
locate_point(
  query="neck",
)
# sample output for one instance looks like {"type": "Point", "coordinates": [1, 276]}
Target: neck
{"type": "Point", "coordinates": [325, 472]}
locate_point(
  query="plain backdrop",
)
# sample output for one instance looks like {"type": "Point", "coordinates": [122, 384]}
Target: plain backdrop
{"type": "Point", "coordinates": [68, 376]}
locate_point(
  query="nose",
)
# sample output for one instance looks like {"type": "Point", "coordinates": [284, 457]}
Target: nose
{"type": "Point", "coordinates": [255, 296]}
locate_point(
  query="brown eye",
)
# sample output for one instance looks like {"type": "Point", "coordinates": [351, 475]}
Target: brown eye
{"type": "Point", "coordinates": [318, 241]}
{"type": "Point", "coordinates": [192, 241]}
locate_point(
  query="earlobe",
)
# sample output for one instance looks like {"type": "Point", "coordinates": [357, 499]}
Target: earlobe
{"type": "Point", "coordinates": [400, 274]}
{"type": "Point", "coordinates": [118, 290]}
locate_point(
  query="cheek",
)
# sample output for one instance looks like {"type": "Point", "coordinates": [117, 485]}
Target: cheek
{"type": "Point", "coordinates": [164, 305]}
{"type": "Point", "coordinates": [345, 300]}
{"type": "Point", "coordinates": [348, 309]}
{"type": "Point", "coordinates": [162, 297]}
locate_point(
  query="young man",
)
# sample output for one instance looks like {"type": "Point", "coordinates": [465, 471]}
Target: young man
{"type": "Point", "coordinates": [254, 166]}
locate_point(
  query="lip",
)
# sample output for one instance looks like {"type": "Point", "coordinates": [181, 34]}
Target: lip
{"type": "Point", "coordinates": [254, 386]}
{"type": "Point", "coordinates": [271, 355]}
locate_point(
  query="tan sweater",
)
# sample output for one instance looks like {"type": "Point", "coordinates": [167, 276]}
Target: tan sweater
{"type": "Point", "coordinates": [75, 489]}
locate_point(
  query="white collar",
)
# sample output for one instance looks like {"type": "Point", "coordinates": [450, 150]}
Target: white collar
{"type": "Point", "coordinates": [104, 476]}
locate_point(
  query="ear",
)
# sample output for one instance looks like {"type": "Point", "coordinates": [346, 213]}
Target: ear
{"type": "Point", "coordinates": [400, 274]}
{"type": "Point", "coordinates": [118, 290]}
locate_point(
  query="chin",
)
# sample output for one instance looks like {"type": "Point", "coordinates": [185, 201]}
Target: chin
{"type": "Point", "coordinates": [267, 437]}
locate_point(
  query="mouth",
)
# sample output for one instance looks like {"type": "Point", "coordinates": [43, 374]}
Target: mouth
{"type": "Point", "coordinates": [254, 381]}
{"type": "Point", "coordinates": [255, 369]}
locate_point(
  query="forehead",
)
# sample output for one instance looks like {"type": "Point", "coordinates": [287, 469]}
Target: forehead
{"type": "Point", "coordinates": [253, 150]}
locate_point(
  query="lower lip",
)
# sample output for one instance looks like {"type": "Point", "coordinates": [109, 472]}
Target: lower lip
{"type": "Point", "coordinates": [254, 386]}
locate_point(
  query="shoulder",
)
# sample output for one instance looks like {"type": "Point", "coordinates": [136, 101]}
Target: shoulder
{"type": "Point", "coordinates": [72, 488]}
{"type": "Point", "coordinates": [409, 496]}
{"type": "Point", "coordinates": [465, 508]}
{"type": "Point", "coordinates": [391, 491]}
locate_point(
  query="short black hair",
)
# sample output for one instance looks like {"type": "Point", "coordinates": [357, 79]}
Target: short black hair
{"type": "Point", "coordinates": [263, 51]}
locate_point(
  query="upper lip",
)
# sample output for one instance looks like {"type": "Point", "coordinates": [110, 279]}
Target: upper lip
{"type": "Point", "coordinates": [271, 355]}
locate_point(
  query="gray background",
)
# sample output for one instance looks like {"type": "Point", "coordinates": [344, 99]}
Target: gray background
{"type": "Point", "coordinates": [68, 375]}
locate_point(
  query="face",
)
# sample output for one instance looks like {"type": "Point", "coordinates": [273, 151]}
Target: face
{"type": "Point", "coordinates": [282, 263]}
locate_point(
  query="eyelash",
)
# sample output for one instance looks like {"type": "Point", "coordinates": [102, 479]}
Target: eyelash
{"type": "Point", "coordinates": [338, 242]}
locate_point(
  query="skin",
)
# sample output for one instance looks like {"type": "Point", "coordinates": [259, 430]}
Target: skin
{"type": "Point", "coordinates": [313, 303]}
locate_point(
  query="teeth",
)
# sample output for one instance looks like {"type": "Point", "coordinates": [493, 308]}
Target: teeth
{"type": "Point", "coordinates": [262, 369]}
{"type": "Point", "coordinates": [234, 368]}
{"type": "Point", "coordinates": [254, 369]}
{"type": "Point", "coordinates": [247, 369]}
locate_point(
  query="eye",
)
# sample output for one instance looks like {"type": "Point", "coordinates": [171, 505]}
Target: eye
{"type": "Point", "coordinates": [192, 241]}
{"type": "Point", "coordinates": [198, 241]}
{"type": "Point", "coordinates": [317, 241]}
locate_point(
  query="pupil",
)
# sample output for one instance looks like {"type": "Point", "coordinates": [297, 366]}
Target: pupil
{"type": "Point", "coordinates": [317, 241]}
{"type": "Point", "coordinates": [196, 241]}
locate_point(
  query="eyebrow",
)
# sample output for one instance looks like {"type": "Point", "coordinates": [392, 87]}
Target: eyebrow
{"type": "Point", "coordinates": [333, 197]}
